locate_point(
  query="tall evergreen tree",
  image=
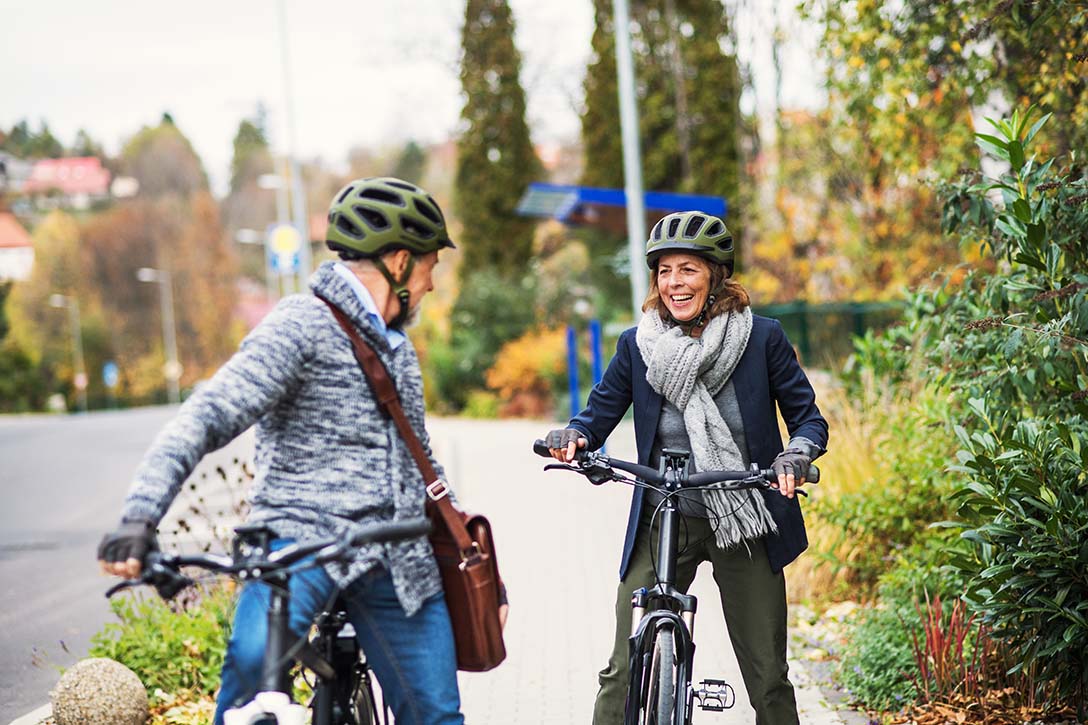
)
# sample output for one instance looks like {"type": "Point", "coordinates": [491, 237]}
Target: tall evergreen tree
{"type": "Point", "coordinates": [688, 90]}
{"type": "Point", "coordinates": [496, 160]}
{"type": "Point", "coordinates": [410, 163]}
{"type": "Point", "coordinates": [600, 135]}
{"type": "Point", "coordinates": [251, 155]}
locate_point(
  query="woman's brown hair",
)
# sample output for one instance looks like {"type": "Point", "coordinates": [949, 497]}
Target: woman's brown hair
{"type": "Point", "coordinates": [729, 295]}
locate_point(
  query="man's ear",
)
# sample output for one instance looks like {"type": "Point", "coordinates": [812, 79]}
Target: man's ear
{"type": "Point", "coordinates": [397, 261]}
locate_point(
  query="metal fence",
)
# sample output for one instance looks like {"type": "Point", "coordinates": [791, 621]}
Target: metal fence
{"type": "Point", "coordinates": [823, 333]}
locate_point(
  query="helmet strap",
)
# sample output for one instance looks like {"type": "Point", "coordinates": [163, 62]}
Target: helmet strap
{"type": "Point", "coordinates": [399, 288]}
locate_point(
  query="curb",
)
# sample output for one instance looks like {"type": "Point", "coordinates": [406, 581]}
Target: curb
{"type": "Point", "coordinates": [35, 717]}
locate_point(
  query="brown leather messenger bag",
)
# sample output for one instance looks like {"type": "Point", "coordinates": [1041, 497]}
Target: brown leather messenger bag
{"type": "Point", "coordinates": [462, 543]}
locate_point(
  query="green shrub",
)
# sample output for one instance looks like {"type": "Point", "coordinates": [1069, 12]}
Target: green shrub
{"type": "Point", "coordinates": [877, 659]}
{"type": "Point", "coordinates": [171, 648]}
{"type": "Point", "coordinates": [1008, 348]}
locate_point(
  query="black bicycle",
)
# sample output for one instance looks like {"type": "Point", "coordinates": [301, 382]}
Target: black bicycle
{"type": "Point", "coordinates": [343, 690]}
{"type": "Point", "coordinates": [662, 650]}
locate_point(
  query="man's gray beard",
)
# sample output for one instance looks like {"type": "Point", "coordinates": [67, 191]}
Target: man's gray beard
{"type": "Point", "coordinates": [412, 319]}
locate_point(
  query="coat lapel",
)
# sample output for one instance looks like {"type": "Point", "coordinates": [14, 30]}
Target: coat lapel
{"type": "Point", "coordinates": [648, 403]}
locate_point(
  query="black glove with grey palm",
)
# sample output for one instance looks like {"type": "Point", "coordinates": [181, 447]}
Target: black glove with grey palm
{"type": "Point", "coordinates": [561, 439]}
{"type": "Point", "coordinates": [792, 460]}
{"type": "Point", "coordinates": [133, 539]}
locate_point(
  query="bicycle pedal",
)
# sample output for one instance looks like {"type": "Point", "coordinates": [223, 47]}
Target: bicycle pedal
{"type": "Point", "coordinates": [715, 695]}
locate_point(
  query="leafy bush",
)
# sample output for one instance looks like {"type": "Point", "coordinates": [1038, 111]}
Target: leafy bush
{"type": "Point", "coordinates": [1007, 348]}
{"type": "Point", "coordinates": [172, 648]}
{"type": "Point", "coordinates": [1021, 366]}
{"type": "Point", "coordinates": [489, 312]}
{"type": "Point", "coordinates": [877, 660]}
{"type": "Point", "coordinates": [527, 372]}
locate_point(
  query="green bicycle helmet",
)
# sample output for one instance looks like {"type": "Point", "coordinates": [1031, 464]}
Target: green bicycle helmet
{"type": "Point", "coordinates": [691, 232]}
{"type": "Point", "coordinates": [370, 217]}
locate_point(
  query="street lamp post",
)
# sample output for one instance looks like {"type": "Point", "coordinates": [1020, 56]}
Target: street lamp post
{"type": "Point", "coordinates": [298, 194]}
{"type": "Point", "coordinates": [632, 157]}
{"type": "Point", "coordinates": [172, 370]}
{"type": "Point", "coordinates": [80, 372]}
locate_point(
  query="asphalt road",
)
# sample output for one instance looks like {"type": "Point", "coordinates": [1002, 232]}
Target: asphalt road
{"type": "Point", "coordinates": [62, 480]}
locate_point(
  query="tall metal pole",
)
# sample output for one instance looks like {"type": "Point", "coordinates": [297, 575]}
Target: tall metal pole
{"type": "Point", "coordinates": [632, 157]}
{"type": "Point", "coordinates": [77, 352]}
{"type": "Point", "coordinates": [298, 195]}
{"type": "Point", "coordinates": [79, 370]}
{"type": "Point", "coordinates": [169, 336]}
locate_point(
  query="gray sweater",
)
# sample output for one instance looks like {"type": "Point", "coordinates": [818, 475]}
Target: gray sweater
{"type": "Point", "coordinates": [327, 459]}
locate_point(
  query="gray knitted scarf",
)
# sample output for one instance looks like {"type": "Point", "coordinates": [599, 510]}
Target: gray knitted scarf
{"type": "Point", "coordinates": [689, 372]}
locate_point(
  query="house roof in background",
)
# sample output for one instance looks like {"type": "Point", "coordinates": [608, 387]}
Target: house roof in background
{"type": "Point", "coordinates": [12, 233]}
{"type": "Point", "coordinates": [78, 175]}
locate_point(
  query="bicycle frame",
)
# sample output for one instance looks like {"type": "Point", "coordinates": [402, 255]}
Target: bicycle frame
{"type": "Point", "coordinates": [279, 658]}
{"type": "Point", "coordinates": [252, 559]}
{"type": "Point", "coordinates": [663, 605]}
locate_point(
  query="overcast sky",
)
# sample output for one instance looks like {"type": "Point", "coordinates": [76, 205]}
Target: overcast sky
{"type": "Point", "coordinates": [363, 72]}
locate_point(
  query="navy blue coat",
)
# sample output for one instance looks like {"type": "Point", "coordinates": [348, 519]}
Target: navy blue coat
{"type": "Point", "coordinates": [768, 375]}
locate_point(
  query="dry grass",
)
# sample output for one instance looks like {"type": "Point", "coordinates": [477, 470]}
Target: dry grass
{"type": "Point", "coordinates": [850, 466]}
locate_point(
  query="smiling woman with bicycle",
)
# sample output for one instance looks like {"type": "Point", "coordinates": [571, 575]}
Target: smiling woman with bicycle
{"type": "Point", "coordinates": [705, 375]}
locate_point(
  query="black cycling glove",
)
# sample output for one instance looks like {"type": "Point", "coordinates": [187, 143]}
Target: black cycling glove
{"type": "Point", "coordinates": [563, 438]}
{"type": "Point", "coordinates": [133, 539]}
{"type": "Point", "coordinates": [792, 460]}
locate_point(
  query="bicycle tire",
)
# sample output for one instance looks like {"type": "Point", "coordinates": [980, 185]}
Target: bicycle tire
{"type": "Point", "coordinates": [363, 708]}
{"type": "Point", "coordinates": [661, 700]}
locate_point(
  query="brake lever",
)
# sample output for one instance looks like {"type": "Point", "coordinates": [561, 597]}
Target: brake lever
{"type": "Point", "coordinates": [122, 585]}
{"type": "Point", "coordinates": [563, 467]}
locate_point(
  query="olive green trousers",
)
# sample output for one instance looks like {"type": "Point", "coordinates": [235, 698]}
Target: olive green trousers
{"type": "Point", "coordinates": [753, 599]}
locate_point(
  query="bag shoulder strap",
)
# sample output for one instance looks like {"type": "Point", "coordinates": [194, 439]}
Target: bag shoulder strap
{"type": "Point", "coordinates": [386, 394]}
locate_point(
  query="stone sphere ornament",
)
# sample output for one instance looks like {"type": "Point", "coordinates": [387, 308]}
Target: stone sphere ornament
{"type": "Point", "coordinates": [100, 691]}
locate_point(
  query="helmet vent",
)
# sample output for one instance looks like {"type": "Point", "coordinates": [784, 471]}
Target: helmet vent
{"type": "Point", "coordinates": [348, 227]}
{"type": "Point", "coordinates": [656, 233]}
{"type": "Point", "coordinates": [437, 208]}
{"type": "Point", "coordinates": [674, 225]}
{"type": "Point", "coordinates": [427, 211]}
{"type": "Point", "coordinates": [691, 229]}
{"type": "Point", "coordinates": [373, 218]}
{"type": "Point", "coordinates": [387, 197]}
{"type": "Point", "coordinates": [344, 194]}
{"type": "Point", "coordinates": [714, 229]}
{"type": "Point", "coordinates": [415, 229]}
{"type": "Point", "coordinates": [726, 245]}
{"type": "Point", "coordinates": [403, 185]}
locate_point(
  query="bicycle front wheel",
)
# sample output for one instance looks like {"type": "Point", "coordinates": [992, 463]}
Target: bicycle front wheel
{"type": "Point", "coordinates": [661, 699]}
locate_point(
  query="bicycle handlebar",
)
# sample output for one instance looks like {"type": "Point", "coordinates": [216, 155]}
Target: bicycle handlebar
{"type": "Point", "coordinates": [163, 571]}
{"type": "Point", "coordinates": [589, 460]}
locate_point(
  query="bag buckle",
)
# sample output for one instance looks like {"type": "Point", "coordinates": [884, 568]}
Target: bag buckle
{"type": "Point", "coordinates": [438, 490]}
{"type": "Point", "coordinates": [470, 556]}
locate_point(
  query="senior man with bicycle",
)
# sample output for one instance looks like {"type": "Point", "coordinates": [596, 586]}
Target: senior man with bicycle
{"type": "Point", "coordinates": [327, 459]}
{"type": "Point", "coordinates": [705, 375]}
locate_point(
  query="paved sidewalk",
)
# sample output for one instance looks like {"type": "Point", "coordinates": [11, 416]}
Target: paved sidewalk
{"type": "Point", "coordinates": [559, 541]}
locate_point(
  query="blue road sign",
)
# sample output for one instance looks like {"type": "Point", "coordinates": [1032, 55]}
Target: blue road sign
{"type": "Point", "coordinates": [111, 374]}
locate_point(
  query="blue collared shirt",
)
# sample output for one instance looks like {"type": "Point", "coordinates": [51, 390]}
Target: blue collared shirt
{"type": "Point", "coordinates": [394, 337]}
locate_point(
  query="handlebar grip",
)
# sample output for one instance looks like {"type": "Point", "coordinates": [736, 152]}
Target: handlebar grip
{"type": "Point", "coordinates": [392, 531]}
{"type": "Point", "coordinates": [541, 449]}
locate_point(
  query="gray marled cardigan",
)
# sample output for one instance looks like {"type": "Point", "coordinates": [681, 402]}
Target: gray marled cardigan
{"type": "Point", "coordinates": [326, 456]}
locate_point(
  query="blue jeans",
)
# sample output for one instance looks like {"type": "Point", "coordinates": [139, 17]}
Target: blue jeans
{"type": "Point", "coordinates": [412, 657]}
